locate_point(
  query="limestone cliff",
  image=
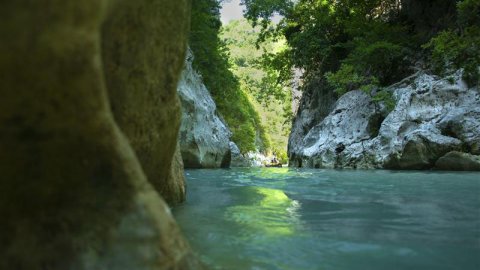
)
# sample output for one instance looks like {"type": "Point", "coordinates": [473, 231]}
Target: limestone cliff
{"type": "Point", "coordinates": [204, 137]}
{"type": "Point", "coordinates": [316, 102]}
{"type": "Point", "coordinates": [73, 194]}
{"type": "Point", "coordinates": [433, 118]}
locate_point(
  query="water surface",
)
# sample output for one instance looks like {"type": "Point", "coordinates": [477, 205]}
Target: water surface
{"type": "Point", "coordinates": [327, 219]}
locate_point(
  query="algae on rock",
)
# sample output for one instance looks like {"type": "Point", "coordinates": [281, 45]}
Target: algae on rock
{"type": "Point", "coordinates": [143, 53]}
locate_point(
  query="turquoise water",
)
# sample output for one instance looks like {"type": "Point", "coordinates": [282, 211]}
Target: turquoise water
{"type": "Point", "coordinates": [327, 219]}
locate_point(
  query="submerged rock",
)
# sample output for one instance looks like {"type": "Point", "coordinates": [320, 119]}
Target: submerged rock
{"type": "Point", "coordinates": [78, 190]}
{"type": "Point", "coordinates": [204, 138]}
{"type": "Point", "coordinates": [432, 117]}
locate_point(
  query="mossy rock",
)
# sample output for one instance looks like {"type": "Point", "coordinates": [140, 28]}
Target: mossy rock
{"type": "Point", "coordinates": [73, 194]}
{"type": "Point", "coordinates": [458, 161]}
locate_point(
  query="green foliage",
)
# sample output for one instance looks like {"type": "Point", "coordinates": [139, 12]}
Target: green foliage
{"type": "Point", "coordinates": [271, 100]}
{"type": "Point", "coordinates": [282, 156]}
{"type": "Point", "coordinates": [247, 64]}
{"type": "Point", "coordinates": [260, 12]}
{"type": "Point", "coordinates": [326, 37]}
{"type": "Point", "coordinates": [459, 48]}
{"type": "Point", "coordinates": [380, 59]}
{"type": "Point", "coordinates": [385, 97]}
{"type": "Point", "coordinates": [212, 62]}
{"type": "Point", "coordinates": [452, 51]}
{"type": "Point", "coordinates": [469, 12]}
{"type": "Point", "coordinates": [347, 79]}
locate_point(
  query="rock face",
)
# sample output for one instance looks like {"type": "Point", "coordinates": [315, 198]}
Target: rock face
{"type": "Point", "coordinates": [316, 103]}
{"type": "Point", "coordinates": [238, 160]}
{"type": "Point", "coordinates": [250, 159]}
{"type": "Point", "coordinates": [432, 117]}
{"type": "Point", "coordinates": [204, 138]}
{"type": "Point", "coordinates": [142, 76]}
{"type": "Point", "coordinates": [73, 194]}
{"type": "Point", "coordinates": [458, 161]}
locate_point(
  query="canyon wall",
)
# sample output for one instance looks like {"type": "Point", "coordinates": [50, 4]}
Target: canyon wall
{"type": "Point", "coordinates": [204, 137]}
{"type": "Point", "coordinates": [435, 124]}
{"type": "Point", "coordinates": [80, 185]}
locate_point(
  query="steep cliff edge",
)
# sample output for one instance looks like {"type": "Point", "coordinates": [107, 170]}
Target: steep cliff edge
{"type": "Point", "coordinates": [73, 194]}
{"type": "Point", "coordinates": [204, 138]}
{"type": "Point", "coordinates": [432, 117]}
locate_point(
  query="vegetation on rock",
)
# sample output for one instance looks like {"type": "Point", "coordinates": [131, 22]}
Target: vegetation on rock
{"type": "Point", "coordinates": [212, 62]}
{"type": "Point", "coordinates": [271, 99]}
{"type": "Point", "coordinates": [459, 46]}
{"type": "Point", "coordinates": [345, 45]}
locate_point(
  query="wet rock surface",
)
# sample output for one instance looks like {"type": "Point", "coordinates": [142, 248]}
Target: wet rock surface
{"type": "Point", "coordinates": [432, 117]}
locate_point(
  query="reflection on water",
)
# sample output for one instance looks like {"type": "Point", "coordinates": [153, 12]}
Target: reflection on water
{"type": "Point", "coordinates": [326, 219]}
{"type": "Point", "coordinates": [272, 213]}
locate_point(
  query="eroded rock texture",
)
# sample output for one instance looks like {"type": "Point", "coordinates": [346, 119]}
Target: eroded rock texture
{"type": "Point", "coordinates": [316, 103]}
{"type": "Point", "coordinates": [143, 51]}
{"type": "Point", "coordinates": [204, 138]}
{"type": "Point", "coordinates": [432, 117]}
{"type": "Point", "coordinates": [73, 194]}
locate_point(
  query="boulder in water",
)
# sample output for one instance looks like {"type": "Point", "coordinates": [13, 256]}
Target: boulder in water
{"type": "Point", "coordinates": [458, 161]}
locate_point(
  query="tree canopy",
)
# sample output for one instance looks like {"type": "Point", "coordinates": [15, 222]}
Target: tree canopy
{"type": "Point", "coordinates": [369, 44]}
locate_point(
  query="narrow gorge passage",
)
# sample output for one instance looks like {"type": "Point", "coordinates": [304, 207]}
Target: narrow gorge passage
{"type": "Point", "coordinates": [240, 134]}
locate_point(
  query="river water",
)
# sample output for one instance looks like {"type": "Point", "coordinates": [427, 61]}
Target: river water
{"type": "Point", "coordinates": [281, 218]}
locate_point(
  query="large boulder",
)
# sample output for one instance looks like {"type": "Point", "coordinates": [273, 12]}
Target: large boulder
{"type": "Point", "coordinates": [458, 161]}
{"type": "Point", "coordinates": [432, 117]}
{"type": "Point", "coordinates": [73, 194]}
{"type": "Point", "coordinates": [204, 138]}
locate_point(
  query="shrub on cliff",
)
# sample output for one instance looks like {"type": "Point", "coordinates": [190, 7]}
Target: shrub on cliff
{"type": "Point", "coordinates": [459, 47]}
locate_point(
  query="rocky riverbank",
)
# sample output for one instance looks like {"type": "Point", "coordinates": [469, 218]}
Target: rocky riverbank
{"type": "Point", "coordinates": [435, 124]}
{"type": "Point", "coordinates": [205, 139]}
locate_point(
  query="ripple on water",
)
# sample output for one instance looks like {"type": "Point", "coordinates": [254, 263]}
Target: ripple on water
{"type": "Point", "coordinates": [327, 219]}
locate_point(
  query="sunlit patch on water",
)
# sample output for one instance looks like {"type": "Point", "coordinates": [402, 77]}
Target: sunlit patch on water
{"type": "Point", "coordinates": [271, 212]}
{"type": "Point", "coordinates": [284, 218]}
